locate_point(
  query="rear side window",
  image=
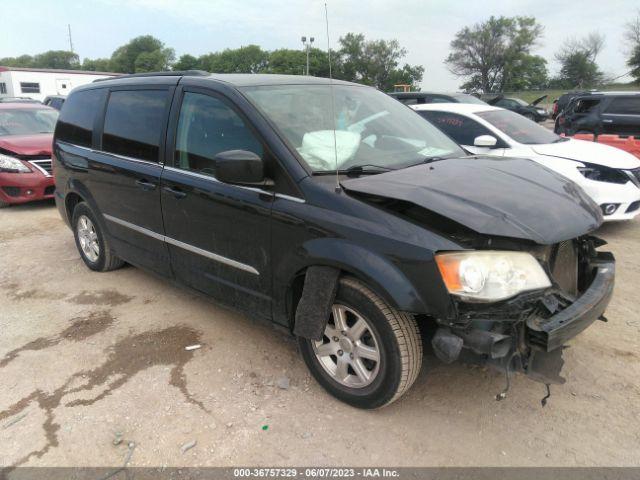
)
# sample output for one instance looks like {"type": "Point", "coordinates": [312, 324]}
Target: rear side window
{"type": "Point", "coordinates": [586, 105]}
{"type": "Point", "coordinates": [460, 129]}
{"type": "Point", "coordinates": [133, 123]}
{"type": "Point", "coordinates": [206, 127]}
{"type": "Point", "coordinates": [75, 124]}
{"type": "Point", "coordinates": [625, 106]}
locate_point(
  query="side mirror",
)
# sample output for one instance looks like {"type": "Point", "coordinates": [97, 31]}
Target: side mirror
{"type": "Point", "coordinates": [486, 141]}
{"type": "Point", "coordinates": [239, 166]}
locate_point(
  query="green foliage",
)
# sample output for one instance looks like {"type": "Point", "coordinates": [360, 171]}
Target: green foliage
{"type": "Point", "coordinates": [187, 62]}
{"type": "Point", "coordinates": [578, 62]}
{"type": "Point", "coordinates": [60, 59]}
{"type": "Point", "coordinates": [528, 72]}
{"type": "Point", "coordinates": [155, 57]}
{"type": "Point", "coordinates": [374, 62]}
{"type": "Point", "coordinates": [495, 52]}
{"type": "Point", "coordinates": [634, 63]}
{"type": "Point", "coordinates": [249, 59]}
{"type": "Point", "coordinates": [96, 65]}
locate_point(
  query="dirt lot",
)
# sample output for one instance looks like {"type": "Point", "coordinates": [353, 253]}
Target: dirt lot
{"type": "Point", "coordinates": [93, 368]}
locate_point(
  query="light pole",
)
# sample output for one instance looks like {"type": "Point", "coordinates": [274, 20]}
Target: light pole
{"type": "Point", "coordinates": [307, 45]}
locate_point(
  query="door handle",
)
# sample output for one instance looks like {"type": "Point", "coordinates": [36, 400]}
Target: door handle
{"type": "Point", "coordinates": [606, 120]}
{"type": "Point", "coordinates": [176, 192]}
{"type": "Point", "coordinates": [145, 185]}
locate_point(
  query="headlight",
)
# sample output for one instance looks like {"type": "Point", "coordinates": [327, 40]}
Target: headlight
{"type": "Point", "coordinates": [489, 276]}
{"type": "Point", "coordinates": [10, 164]}
{"type": "Point", "coordinates": [541, 111]}
{"type": "Point", "coordinates": [604, 174]}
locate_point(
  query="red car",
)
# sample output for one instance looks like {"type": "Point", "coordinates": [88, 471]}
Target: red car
{"type": "Point", "coordinates": [26, 133]}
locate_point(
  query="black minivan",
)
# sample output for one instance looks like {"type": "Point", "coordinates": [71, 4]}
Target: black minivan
{"type": "Point", "coordinates": [336, 212]}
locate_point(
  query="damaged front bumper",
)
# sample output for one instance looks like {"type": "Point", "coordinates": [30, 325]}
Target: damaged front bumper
{"type": "Point", "coordinates": [553, 332]}
{"type": "Point", "coordinates": [527, 334]}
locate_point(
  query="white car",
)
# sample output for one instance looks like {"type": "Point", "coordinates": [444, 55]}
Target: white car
{"type": "Point", "coordinates": [609, 175]}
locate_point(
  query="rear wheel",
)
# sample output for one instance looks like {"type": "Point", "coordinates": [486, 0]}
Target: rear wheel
{"type": "Point", "coordinates": [4, 204]}
{"type": "Point", "coordinates": [370, 353]}
{"type": "Point", "coordinates": [92, 244]}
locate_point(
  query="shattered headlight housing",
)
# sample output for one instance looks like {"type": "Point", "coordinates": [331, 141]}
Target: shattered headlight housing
{"type": "Point", "coordinates": [12, 165]}
{"type": "Point", "coordinates": [490, 276]}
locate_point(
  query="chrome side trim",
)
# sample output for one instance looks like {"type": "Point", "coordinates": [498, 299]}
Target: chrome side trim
{"type": "Point", "coordinates": [290, 198]}
{"type": "Point", "coordinates": [137, 228]}
{"type": "Point", "coordinates": [115, 155]}
{"type": "Point", "coordinates": [184, 246]}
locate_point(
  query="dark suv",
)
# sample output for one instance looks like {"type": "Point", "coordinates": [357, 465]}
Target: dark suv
{"type": "Point", "coordinates": [339, 214]}
{"type": "Point", "coordinates": [615, 113]}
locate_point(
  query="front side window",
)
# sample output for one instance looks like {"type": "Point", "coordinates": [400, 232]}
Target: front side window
{"type": "Point", "coordinates": [77, 116]}
{"type": "Point", "coordinates": [625, 106]}
{"type": "Point", "coordinates": [133, 123]}
{"type": "Point", "coordinates": [208, 126]}
{"type": "Point", "coordinates": [521, 129]}
{"type": "Point", "coordinates": [29, 87]}
{"type": "Point", "coordinates": [27, 121]}
{"type": "Point", "coordinates": [586, 105]}
{"type": "Point", "coordinates": [347, 126]}
{"type": "Point", "coordinates": [461, 129]}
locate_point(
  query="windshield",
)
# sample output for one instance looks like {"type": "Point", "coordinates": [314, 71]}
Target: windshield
{"type": "Point", "coordinates": [27, 121]}
{"type": "Point", "coordinates": [371, 128]}
{"type": "Point", "coordinates": [521, 129]}
{"type": "Point", "coordinates": [519, 101]}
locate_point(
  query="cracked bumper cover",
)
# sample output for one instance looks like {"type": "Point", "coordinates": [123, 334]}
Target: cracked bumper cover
{"type": "Point", "coordinates": [551, 333]}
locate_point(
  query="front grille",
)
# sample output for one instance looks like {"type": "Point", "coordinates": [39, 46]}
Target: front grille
{"type": "Point", "coordinates": [633, 207]}
{"type": "Point", "coordinates": [43, 165]}
{"type": "Point", "coordinates": [564, 267]}
{"type": "Point", "coordinates": [12, 191]}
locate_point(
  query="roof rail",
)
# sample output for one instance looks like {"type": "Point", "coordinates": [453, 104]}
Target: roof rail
{"type": "Point", "coordinates": [177, 73]}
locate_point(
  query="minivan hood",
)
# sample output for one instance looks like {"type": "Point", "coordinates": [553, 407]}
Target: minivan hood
{"type": "Point", "coordinates": [37, 144]}
{"type": "Point", "coordinates": [506, 197]}
{"type": "Point", "coordinates": [590, 152]}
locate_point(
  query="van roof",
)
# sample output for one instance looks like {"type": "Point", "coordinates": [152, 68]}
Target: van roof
{"type": "Point", "coordinates": [236, 79]}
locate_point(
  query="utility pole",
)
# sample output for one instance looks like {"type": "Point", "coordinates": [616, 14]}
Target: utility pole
{"type": "Point", "coordinates": [70, 41]}
{"type": "Point", "coordinates": [307, 46]}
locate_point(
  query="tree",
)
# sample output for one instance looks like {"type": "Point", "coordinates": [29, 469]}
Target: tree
{"type": "Point", "coordinates": [529, 72]}
{"type": "Point", "coordinates": [632, 37]}
{"type": "Point", "coordinates": [60, 59]}
{"type": "Point", "coordinates": [124, 59]}
{"type": "Point", "coordinates": [249, 59]}
{"type": "Point", "coordinates": [577, 58]}
{"type": "Point", "coordinates": [187, 62]}
{"type": "Point", "coordinates": [374, 62]}
{"type": "Point", "coordinates": [634, 63]}
{"type": "Point", "coordinates": [488, 53]}
{"type": "Point", "coordinates": [293, 62]}
{"type": "Point", "coordinates": [96, 65]}
{"type": "Point", "coordinates": [21, 61]}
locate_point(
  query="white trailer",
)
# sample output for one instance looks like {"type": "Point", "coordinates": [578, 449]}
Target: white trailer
{"type": "Point", "coordinates": [38, 83]}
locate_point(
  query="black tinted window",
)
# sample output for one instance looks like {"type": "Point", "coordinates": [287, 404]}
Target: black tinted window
{"type": "Point", "coordinates": [206, 127]}
{"type": "Point", "coordinates": [75, 124]}
{"type": "Point", "coordinates": [625, 106]}
{"type": "Point", "coordinates": [586, 105]}
{"type": "Point", "coordinates": [461, 129]}
{"type": "Point", "coordinates": [133, 123]}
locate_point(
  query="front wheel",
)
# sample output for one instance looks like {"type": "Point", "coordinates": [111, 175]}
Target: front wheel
{"type": "Point", "coordinates": [92, 244]}
{"type": "Point", "coordinates": [370, 353]}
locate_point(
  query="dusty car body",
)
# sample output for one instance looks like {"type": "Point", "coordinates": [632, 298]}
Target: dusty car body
{"type": "Point", "coordinates": [348, 221]}
{"type": "Point", "coordinates": [26, 133]}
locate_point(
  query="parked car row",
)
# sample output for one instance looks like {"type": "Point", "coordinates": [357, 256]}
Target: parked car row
{"type": "Point", "coordinates": [341, 215]}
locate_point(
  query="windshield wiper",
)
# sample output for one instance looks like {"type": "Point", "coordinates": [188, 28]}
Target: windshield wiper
{"type": "Point", "coordinates": [366, 169]}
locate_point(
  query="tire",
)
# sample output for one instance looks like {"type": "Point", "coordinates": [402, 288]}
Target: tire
{"type": "Point", "coordinates": [393, 334]}
{"type": "Point", "coordinates": [530, 116]}
{"type": "Point", "coordinates": [101, 258]}
{"type": "Point", "coordinates": [4, 204]}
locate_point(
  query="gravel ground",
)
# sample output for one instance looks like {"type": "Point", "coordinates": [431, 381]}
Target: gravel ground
{"type": "Point", "coordinates": [94, 371]}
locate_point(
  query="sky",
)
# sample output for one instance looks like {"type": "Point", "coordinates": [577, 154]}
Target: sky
{"type": "Point", "coordinates": [424, 28]}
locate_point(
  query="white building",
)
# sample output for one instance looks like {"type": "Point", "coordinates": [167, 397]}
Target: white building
{"type": "Point", "coordinates": [37, 83]}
